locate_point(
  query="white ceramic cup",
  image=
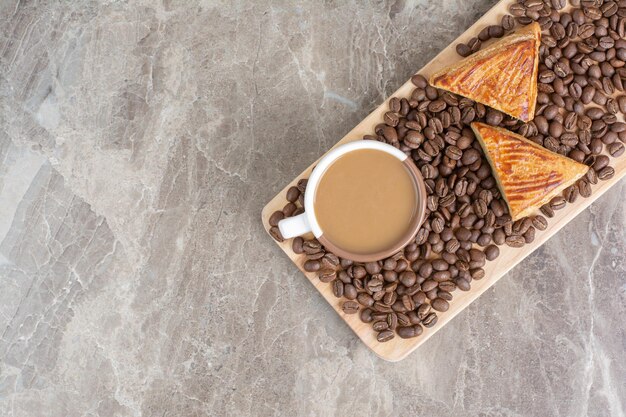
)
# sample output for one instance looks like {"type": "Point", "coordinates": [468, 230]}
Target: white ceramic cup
{"type": "Point", "coordinates": [307, 221]}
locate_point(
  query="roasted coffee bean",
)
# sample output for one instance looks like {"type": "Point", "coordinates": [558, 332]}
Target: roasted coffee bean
{"type": "Point", "coordinates": [557, 203]}
{"type": "Point", "coordinates": [292, 194]}
{"type": "Point", "coordinates": [275, 233]}
{"type": "Point", "coordinates": [296, 245]}
{"type": "Point", "coordinates": [312, 246]}
{"type": "Point", "coordinates": [447, 286]}
{"type": "Point", "coordinates": [419, 81]}
{"type": "Point", "coordinates": [394, 104]}
{"type": "Point", "coordinates": [366, 315]}
{"type": "Point", "coordinates": [463, 50]}
{"type": "Point", "coordinates": [349, 291]}
{"type": "Point", "coordinates": [302, 184]}
{"type": "Point", "coordinates": [440, 304]}
{"type": "Point", "coordinates": [338, 288]}
{"type": "Point", "coordinates": [529, 235]}
{"type": "Point", "coordinates": [540, 222]}
{"type": "Point", "coordinates": [330, 261]}
{"type": "Point", "coordinates": [392, 320]}
{"type": "Point", "coordinates": [507, 22]}
{"type": "Point", "coordinates": [492, 252]}
{"type": "Point", "coordinates": [289, 209]}
{"type": "Point", "coordinates": [391, 119]}
{"type": "Point", "coordinates": [390, 298]}
{"type": "Point", "coordinates": [483, 35]}
{"type": "Point", "coordinates": [606, 173]}
{"type": "Point", "coordinates": [515, 241]}
{"type": "Point", "coordinates": [327, 275]}
{"type": "Point", "coordinates": [408, 302]}
{"type": "Point", "coordinates": [484, 239]}
{"type": "Point", "coordinates": [350, 307]}
{"type": "Point", "coordinates": [584, 188]}
{"type": "Point", "coordinates": [571, 193]}
{"type": "Point", "coordinates": [385, 336]}
{"type": "Point", "coordinates": [408, 332]}
{"type": "Point", "coordinates": [616, 149]}
{"type": "Point", "coordinates": [454, 153]}
{"type": "Point", "coordinates": [430, 320]}
{"type": "Point", "coordinates": [462, 284]}
{"type": "Point", "coordinates": [477, 273]}
{"type": "Point", "coordinates": [413, 139]}
{"type": "Point", "coordinates": [517, 10]}
{"type": "Point", "coordinates": [403, 319]}
{"type": "Point", "coordinates": [315, 256]}
{"type": "Point", "coordinates": [373, 267]}
{"type": "Point", "coordinates": [276, 217]}
{"type": "Point", "coordinates": [365, 299]}
{"type": "Point", "coordinates": [474, 44]}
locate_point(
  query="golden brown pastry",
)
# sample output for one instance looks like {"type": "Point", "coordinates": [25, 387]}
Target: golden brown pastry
{"type": "Point", "coordinates": [502, 76]}
{"type": "Point", "coordinates": [528, 175]}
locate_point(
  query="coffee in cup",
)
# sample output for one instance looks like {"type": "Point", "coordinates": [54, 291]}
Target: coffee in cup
{"type": "Point", "coordinates": [364, 201]}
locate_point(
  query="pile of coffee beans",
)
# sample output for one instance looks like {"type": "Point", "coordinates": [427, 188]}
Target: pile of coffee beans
{"type": "Point", "coordinates": [581, 83]}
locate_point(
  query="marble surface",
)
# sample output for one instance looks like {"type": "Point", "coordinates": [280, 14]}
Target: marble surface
{"type": "Point", "coordinates": [139, 141]}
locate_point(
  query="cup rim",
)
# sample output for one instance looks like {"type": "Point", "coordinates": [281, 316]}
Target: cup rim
{"type": "Point", "coordinates": [319, 171]}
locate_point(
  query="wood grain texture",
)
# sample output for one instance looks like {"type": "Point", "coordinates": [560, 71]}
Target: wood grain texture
{"type": "Point", "coordinates": [397, 349]}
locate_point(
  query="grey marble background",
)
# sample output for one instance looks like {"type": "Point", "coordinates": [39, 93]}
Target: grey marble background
{"type": "Point", "coordinates": [139, 141]}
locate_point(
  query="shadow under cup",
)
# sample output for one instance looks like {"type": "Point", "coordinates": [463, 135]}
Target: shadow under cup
{"type": "Point", "coordinates": [371, 229]}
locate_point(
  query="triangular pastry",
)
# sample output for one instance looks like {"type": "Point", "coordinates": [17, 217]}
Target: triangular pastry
{"type": "Point", "coordinates": [502, 76]}
{"type": "Point", "coordinates": [528, 174]}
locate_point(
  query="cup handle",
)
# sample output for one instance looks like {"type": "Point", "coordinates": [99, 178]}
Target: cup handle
{"type": "Point", "coordinates": [294, 226]}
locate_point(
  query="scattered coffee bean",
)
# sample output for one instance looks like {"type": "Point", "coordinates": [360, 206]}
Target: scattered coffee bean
{"type": "Point", "coordinates": [275, 233]}
{"type": "Point", "coordinates": [606, 173]}
{"type": "Point", "coordinates": [385, 336]}
{"type": "Point", "coordinates": [440, 304]}
{"type": "Point", "coordinates": [350, 307]}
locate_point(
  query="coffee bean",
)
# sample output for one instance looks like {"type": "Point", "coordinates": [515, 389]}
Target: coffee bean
{"type": "Point", "coordinates": [616, 149]}
{"type": "Point", "coordinates": [338, 288]}
{"type": "Point", "coordinates": [289, 209]}
{"type": "Point", "coordinates": [365, 299]}
{"type": "Point", "coordinates": [394, 104]}
{"type": "Point", "coordinates": [408, 332]}
{"type": "Point", "coordinates": [385, 336]}
{"type": "Point", "coordinates": [349, 291]}
{"type": "Point", "coordinates": [275, 233]}
{"type": "Point", "coordinates": [557, 203]}
{"type": "Point", "coordinates": [584, 188]}
{"type": "Point", "coordinates": [454, 153]}
{"type": "Point", "coordinates": [515, 241]}
{"type": "Point", "coordinates": [496, 31]}
{"type": "Point", "coordinates": [462, 284]}
{"type": "Point", "coordinates": [507, 22]}
{"type": "Point", "coordinates": [292, 194]}
{"type": "Point", "coordinates": [474, 44]}
{"type": "Point", "coordinates": [276, 217]}
{"type": "Point", "coordinates": [440, 304]}
{"type": "Point", "coordinates": [546, 76]}
{"type": "Point", "coordinates": [391, 119]}
{"type": "Point", "coordinates": [463, 50]}
{"type": "Point", "coordinates": [517, 10]}
{"type": "Point", "coordinates": [470, 156]}
{"type": "Point", "coordinates": [419, 81]}
{"type": "Point", "coordinates": [327, 275]}
{"type": "Point", "coordinates": [492, 252]}
{"type": "Point", "coordinates": [366, 315]}
{"type": "Point", "coordinates": [606, 173]}
{"type": "Point", "coordinates": [296, 245]}
{"type": "Point", "coordinates": [350, 307]}
{"type": "Point", "coordinates": [430, 320]}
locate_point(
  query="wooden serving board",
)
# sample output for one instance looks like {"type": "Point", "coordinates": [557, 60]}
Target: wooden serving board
{"type": "Point", "coordinates": [398, 348]}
